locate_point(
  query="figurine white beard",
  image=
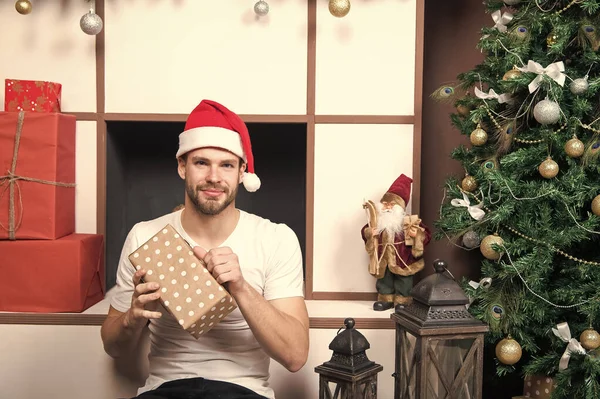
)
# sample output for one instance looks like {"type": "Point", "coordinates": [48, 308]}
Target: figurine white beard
{"type": "Point", "coordinates": [390, 219]}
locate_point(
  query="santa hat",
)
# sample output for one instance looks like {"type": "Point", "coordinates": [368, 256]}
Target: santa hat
{"type": "Point", "coordinates": [399, 191]}
{"type": "Point", "coordinates": [212, 125]}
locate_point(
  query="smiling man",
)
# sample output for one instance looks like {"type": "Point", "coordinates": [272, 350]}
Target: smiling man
{"type": "Point", "coordinates": [258, 261]}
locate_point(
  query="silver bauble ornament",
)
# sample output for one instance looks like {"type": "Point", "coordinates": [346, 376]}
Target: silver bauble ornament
{"type": "Point", "coordinates": [546, 112]}
{"type": "Point", "coordinates": [511, 2]}
{"type": "Point", "coordinates": [91, 23]}
{"type": "Point", "coordinates": [471, 239]}
{"type": "Point", "coordinates": [579, 86]}
{"type": "Point", "coordinates": [261, 8]}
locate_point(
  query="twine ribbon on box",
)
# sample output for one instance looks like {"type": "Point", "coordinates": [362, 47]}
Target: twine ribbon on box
{"type": "Point", "coordinates": [10, 182]}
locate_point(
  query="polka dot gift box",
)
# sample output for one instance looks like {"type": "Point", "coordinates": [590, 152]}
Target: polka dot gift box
{"type": "Point", "coordinates": [538, 386]}
{"type": "Point", "coordinates": [188, 291]}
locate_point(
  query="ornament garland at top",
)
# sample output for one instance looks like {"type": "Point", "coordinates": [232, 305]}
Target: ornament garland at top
{"type": "Point", "coordinates": [90, 22]}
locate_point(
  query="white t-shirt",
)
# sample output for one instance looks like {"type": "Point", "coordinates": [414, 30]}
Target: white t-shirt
{"type": "Point", "coordinates": [270, 260]}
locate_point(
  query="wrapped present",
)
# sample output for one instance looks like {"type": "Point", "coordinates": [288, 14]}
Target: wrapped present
{"type": "Point", "coordinates": [31, 95]}
{"type": "Point", "coordinates": [188, 291]}
{"type": "Point", "coordinates": [538, 386]}
{"type": "Point", "coordinates": [37, 175]}
{"type": "Point", "coordinates": [46, 276]}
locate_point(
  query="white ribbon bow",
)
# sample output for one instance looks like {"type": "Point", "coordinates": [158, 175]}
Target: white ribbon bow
{"type": "Point", "coordinates": [502, 98]}
{"type": "Point", "coordinates": [501, 20]}
{"type": "Point", "coordinates": [554, 71]}
{"type": "Point", "coordinates": [563, 332]}
{"type": "Point", "coordinates": [474, 210]}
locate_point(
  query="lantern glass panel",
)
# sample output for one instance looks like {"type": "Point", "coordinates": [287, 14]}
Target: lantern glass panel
{"type": "Point", "coordinates": [408, 366]}
{"type": "Point", "coordinates": [450, 369]}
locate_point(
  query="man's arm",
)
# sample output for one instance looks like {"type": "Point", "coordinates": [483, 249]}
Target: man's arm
{"type": "Point", "coordinates": [121, 331]}
{"type": "Point", "coordinates": [280, 326]}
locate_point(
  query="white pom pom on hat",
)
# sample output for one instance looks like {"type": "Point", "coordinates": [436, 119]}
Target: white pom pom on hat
{"type": "Point", "coordinates": [211, 124]}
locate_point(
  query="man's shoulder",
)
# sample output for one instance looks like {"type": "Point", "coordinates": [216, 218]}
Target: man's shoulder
{"type": "Point", "coordinates": [144, 230]}
{"type": "Point", "coordinates": [263, 227]}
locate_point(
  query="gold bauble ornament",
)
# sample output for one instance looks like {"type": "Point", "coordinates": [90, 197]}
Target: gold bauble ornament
{"type": "Point", "coordinates": [574, 148]}
{"type": "Point", "coordinates": [548, 169]}
{"type": "Point", "coordinates": [590, 339]}
{"type": "Point", "coordinates": [486, 246]}
{"type": "Point", "coordinates": [551, 39]}
{"type": "Point", "coordinates": [339, 8]}
{"type": "Point", "coordinates": [508, 351]}
{"type": "Point", "coordinates": [469, 184]}
{"type": "Point", "coordinates": [478, 137]}
{"type": "Point", "coordinates": [513, 73]}
{"type": "Point", "coordinates": [23, 7]}
{"type": "Point", "coordinates": [463, 110]}
{"type": "Point", "coordinates": [596, 205]}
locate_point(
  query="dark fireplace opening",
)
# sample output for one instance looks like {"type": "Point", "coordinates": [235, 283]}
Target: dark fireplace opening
{"type": "Point", "coordinates": [142, 181]}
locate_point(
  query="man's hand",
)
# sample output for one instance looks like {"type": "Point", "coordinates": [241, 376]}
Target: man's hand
{"type": "Point", "coordinates": [143, 303]}
{"type": "Point", "coordinates": [224, 266]}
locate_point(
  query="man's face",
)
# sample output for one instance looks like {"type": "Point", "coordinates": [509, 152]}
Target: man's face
{"type": "Point", "coordinates": [212, 177]}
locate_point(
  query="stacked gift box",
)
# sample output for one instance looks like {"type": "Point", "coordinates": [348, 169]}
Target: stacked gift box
{"type": "Point", "coordinates": [46, 266]}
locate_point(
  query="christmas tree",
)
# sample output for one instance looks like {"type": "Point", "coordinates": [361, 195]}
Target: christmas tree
{"type": "Point", "coordinates": [529, 202]}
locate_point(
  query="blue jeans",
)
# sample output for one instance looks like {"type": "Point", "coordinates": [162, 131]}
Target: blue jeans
{"type": "Point", "coordinates": [199, 388]}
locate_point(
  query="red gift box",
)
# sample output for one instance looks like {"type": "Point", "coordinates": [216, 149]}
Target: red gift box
{"type": "Point", "coordinates": [64, 275]}
{"type": "Point", "coordinates": [31, 95]}
{"type": "Point", "coordinates": [37, 175]}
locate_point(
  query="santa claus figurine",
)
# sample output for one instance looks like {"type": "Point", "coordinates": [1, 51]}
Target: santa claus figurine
{"type": "Point", "coordinates": [395, 243]}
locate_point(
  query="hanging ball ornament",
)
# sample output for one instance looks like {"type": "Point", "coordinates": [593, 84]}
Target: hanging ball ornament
{"type": "Point", "coordinates": [590, 339]}
{"type": "Point", "coordinates": [261, 8]}
{"type": "Point", "coordinates": [579, 86]}
{"type": "Point", "coordinates": [487, 249]}
{"type": "Point", "coordinates": [574, 147]}
{"type": "Point", "coordinates": [23, 7]}
{"type": "Point", "coordinates": [508, 351]}
{"type": "Point", "coordinates": [596, 205]}
{"type": "Point", "coordinates": [551, 39]}
{"type": "Point", "coordinates": [478, 137]}
{"type": "Point", "coordinates": [471, 239]}
{"type": "Point", "coordinates": [513, 73]}
{"type": "Point", "coordinates": [463, 110]}
{"type": "Point", "coordinates": [546, 112]}
{"type": "Point", "coordinates": [548, 168]}
{"type": "Point", "coordinates": [469, 184]}
{"type": "Point", "coordinates": [339, 8]}
{"type": "Point", "coordinates": [91, 23]}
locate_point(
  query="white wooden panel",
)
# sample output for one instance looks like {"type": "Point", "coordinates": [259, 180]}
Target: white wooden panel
{"type": "Point", "coordinates": [87, 372]}
{"type": "Point", "coordinates": [352, 163]}
{"type": "Point", "coordinates": [166, 56]}
{"type": "Point", "coordinates": [366, 60]}
{"type": "Point", "coordinates": [85, 177]}
{"type": "Point", "coordinates": [48, 44]}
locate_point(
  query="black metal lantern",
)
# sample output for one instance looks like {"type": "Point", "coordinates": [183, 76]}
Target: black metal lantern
{"type": "Point", "coordinates": [439, 345]}
{"type": "Point", "coordinates": [350, 371]}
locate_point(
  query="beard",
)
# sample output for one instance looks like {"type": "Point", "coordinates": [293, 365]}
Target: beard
{"type": "Point", "coordinates": [390, 220]}
{"type": "Point", "coordinates": [210, 206]}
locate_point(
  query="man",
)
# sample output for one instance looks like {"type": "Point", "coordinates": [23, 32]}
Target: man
{"type": "Point", "coordinates": [397, 256]}
{"type": "Point", "coordinates": [259, 262]}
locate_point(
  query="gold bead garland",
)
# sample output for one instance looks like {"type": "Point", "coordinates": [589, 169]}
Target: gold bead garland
{"type": "Point", "coordinates": [572, 3]}
{"type": "Point", "coordinates": [552, 247]}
